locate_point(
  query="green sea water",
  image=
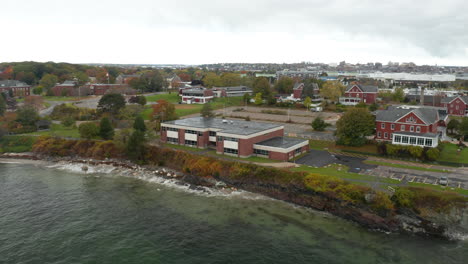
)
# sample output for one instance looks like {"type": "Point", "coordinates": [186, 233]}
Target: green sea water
{"type": "Point", "coordinates": [54, 216]}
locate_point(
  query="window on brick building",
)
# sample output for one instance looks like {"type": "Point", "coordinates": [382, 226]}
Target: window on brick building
{"type": "Point", "coordinates": [385, 135]}
{"type": "Point", "coordinates": [392, 126]}
{"type": "Point", "coordinates": [402, 128]}
{"type": "Point", "coordinates": [382, 125]}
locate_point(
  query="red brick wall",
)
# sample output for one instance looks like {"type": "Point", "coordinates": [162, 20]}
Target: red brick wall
{"type": "Point", "coordinates": [204, 140]}
{"type": "Point", "coordinates": [278, 156]}
{"type": "Point", "coordinates": [164, 136]}
{"type": "Point", "coordinates": [297, 93]}
{"type": "Point", "coordinates": [246, 145]}
{"type": "Point", "coordinates": [182, 136]}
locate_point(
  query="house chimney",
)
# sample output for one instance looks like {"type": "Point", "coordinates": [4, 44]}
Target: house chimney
{"type": "Point", "coordinates": [421, 100]}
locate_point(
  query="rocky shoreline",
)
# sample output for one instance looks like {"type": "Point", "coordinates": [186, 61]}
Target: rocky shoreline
{"type": "Point", "coordinates": [452, 225]}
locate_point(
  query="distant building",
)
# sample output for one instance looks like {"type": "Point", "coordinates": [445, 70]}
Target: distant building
{"type": "Point", "coordinates": [417, 126]}
{"type": "Point", "coordinates": [174, 81]}
{"type": "Point", "coordinates": [199, 95]}
{"type": "Point", "coordinates": [104, 88]}
{"type": "Point", "coordinates": [357, 93]}
{"type": "Point", "coordinates": [456, 105]}
{"type": "Point", "coordinates": [17, 88]}
{"type": "Point", "coordinates": [312, 90]}
{"type": "Point", "coordinates": [297, 74]}
{"type": "Point", "coordinates": [232, 91]}
{"type": "Point", "coordinates": [125, 78]}
{"type": "Point", "coordinates": [234, 137]}
{"type": "Point", "coordinates": [66, 88]}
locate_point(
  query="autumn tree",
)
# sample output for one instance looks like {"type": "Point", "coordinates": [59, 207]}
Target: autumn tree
{"type": "Point", "coordinates": [258, 99]}
{"type": "Point", "coordinates": [27, 116]}
{"type": "Point", "coordinates": [48, 81]}
{"type": "Point", "coordinates": [81, 78]}
{"type": "Point", "coordinates": [398, 95]}
{"type": "Point", "coordinates": [111, 103]}
{"type": "Point", "coordinates": [284, 85]}
{"type": "Point", "coordinates": [307, 102]}
{"type": "Point", "coordinates": [163, 111]}
{"type": "Point", "coordinates": [106, 131]}
{"type": "Point", "coordinates": [35, 101]}
{"type": "Point", "coordinates": [332, 90]}
{"type": "Point", "coordinates": [207, 111]}
{"type": "Point", "coordinates": [211, 79]}
{"type": "Point", "coordinates": [354, 126]}
{"type": "Point", "coordinates": [230, 79]}
{"type": "Point", "coordinates": [262, 85]}
{"type": "Point", "coordinates": [149, 81]}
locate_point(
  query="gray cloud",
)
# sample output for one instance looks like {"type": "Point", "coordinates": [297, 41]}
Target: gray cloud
{"type": "Point", "coordinates": [438, 27]}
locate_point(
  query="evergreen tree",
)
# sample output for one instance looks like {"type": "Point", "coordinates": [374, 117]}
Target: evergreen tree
{"type": "Point", "coordinates": [2, 106]}
{"type": "Point", "coordinates": [136, 146]}
{"type": "Point", "coordinates": [106, 131]}
{"type": "Point", "coordinates": [139, 124]}
{"type": "Point", "coordinates": [318, 124]}
{"type": "Point", "coordinates": [111, 103]}
{"type": "Point", "coordinates": [207, 111]}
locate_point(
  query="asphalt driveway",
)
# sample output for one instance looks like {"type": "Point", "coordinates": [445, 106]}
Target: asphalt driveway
{"type": "Point", "coordinates": [320, 158]}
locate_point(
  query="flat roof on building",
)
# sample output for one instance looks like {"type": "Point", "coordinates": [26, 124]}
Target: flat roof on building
{"type": "Point", "coordinates": [237, 127]}
{"type": "Point", "coordinates": [281, 142]}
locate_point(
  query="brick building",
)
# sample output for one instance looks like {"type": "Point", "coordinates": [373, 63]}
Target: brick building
{"type": "Point", "coordinates": [417, 126]}
{"type": "Point", "coordinates": [17, 88]}
{"type": "Point", "coordinates": [357, 93]}
{"type": "Point", "coordinates": [234, 137]}
{"type": "Point", "coordinates": [199, 95]}
{"type": "Point", "coordinates": [456, 105]}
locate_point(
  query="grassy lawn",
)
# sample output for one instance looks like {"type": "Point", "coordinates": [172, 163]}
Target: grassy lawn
{"type": "Point", "coordinates": [403, 166]}
{"type": "Point", "coordinates": [189, 109]}
{"type": "Point", "coordinates": [342, 172]}
{"type": "Point", "coordinates": [172, 97]}
{"type": "Point", "coordinates": [58, 130]}
{"type": "Point", "coordinates": [450, 154]}
{"type": "Point", "coordinates": [438, 187]}
{"type": "Point", "coordinates": [64, 98]}
{"type": "Point", "coordinates": [321, 144]}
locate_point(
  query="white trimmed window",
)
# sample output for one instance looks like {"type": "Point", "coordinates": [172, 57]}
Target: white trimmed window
{"type": "Point", "coordinates": [411, 129]}
{"type": "Point", "coordinates": [402, 127]}
{"type": "Point", "coordinates": [382, 125]}
{"type": "Point", "coordinates": [379, 134]}
{"type": "Point", "coordinates": [418, 129]}
{"type": "Point", "coordinates": [392, 126]}
{"type": "Point", "coordinates": [385, 135]}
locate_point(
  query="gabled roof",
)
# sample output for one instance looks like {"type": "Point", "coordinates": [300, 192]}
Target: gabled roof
{"type": "Point", "coordinates": [364, 88]}
{"type": "Point", "coordinates": [12, 83]}
{"type": "Point", "coordinates": [298, 86]}
{"type": "Point", "coordinates": [427, 115]}
{"type": "Point", "coordinates": [450, 99]}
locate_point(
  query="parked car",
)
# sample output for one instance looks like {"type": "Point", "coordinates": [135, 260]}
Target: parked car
{"type": "Point", "coordinates": [443, 181]}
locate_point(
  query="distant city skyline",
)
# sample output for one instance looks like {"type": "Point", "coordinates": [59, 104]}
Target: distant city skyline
{"type": "Point", "coordinates": [210, 31]}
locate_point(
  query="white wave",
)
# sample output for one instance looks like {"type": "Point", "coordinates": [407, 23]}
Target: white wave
{"type": "Point", "coordinates": [152, 177]}
{"type": "Point", "coordinates": [457, 236]}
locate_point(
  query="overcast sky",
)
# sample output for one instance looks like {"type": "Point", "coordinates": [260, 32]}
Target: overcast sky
{"type": "Point", "coordinates": [215, 31]}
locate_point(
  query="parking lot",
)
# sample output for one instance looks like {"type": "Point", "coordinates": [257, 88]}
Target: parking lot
{"type": "Point", "coordinates": [319, 158]}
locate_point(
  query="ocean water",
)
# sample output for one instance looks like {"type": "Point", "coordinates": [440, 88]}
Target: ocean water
{"type": "Point", "coordinates": [48, 215]}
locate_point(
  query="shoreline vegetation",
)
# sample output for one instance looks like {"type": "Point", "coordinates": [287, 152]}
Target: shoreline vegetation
{"type": "Point", "coordinates": [407, 210]}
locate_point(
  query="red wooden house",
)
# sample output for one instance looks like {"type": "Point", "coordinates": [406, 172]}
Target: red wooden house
{"type": "Point", "coordinates": [357, 93]}
{"type": "Point", "coordinates": [456, 105]}
{"type": "Point", "coordinates": [409, 126]}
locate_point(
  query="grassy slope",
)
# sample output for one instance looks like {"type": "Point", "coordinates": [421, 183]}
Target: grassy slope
{"type": "Point", "coordinates": [403, 166]}
{"type": "Point", "coordinates": [58, 130]}
{"type": "Point", "coordinates": [450, 154]}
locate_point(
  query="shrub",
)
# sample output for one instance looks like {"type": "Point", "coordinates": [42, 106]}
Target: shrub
{"type": "Point", "coordinates": [318, 124]}
{"type": "Point", "coordinates": [68, 122]}
{"type": "Point", "coordinates": [432, 154]}
{"type": "Point", "coordinates": [403, 198]}
{"type": "Point", "coordinates": [88, 130]}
